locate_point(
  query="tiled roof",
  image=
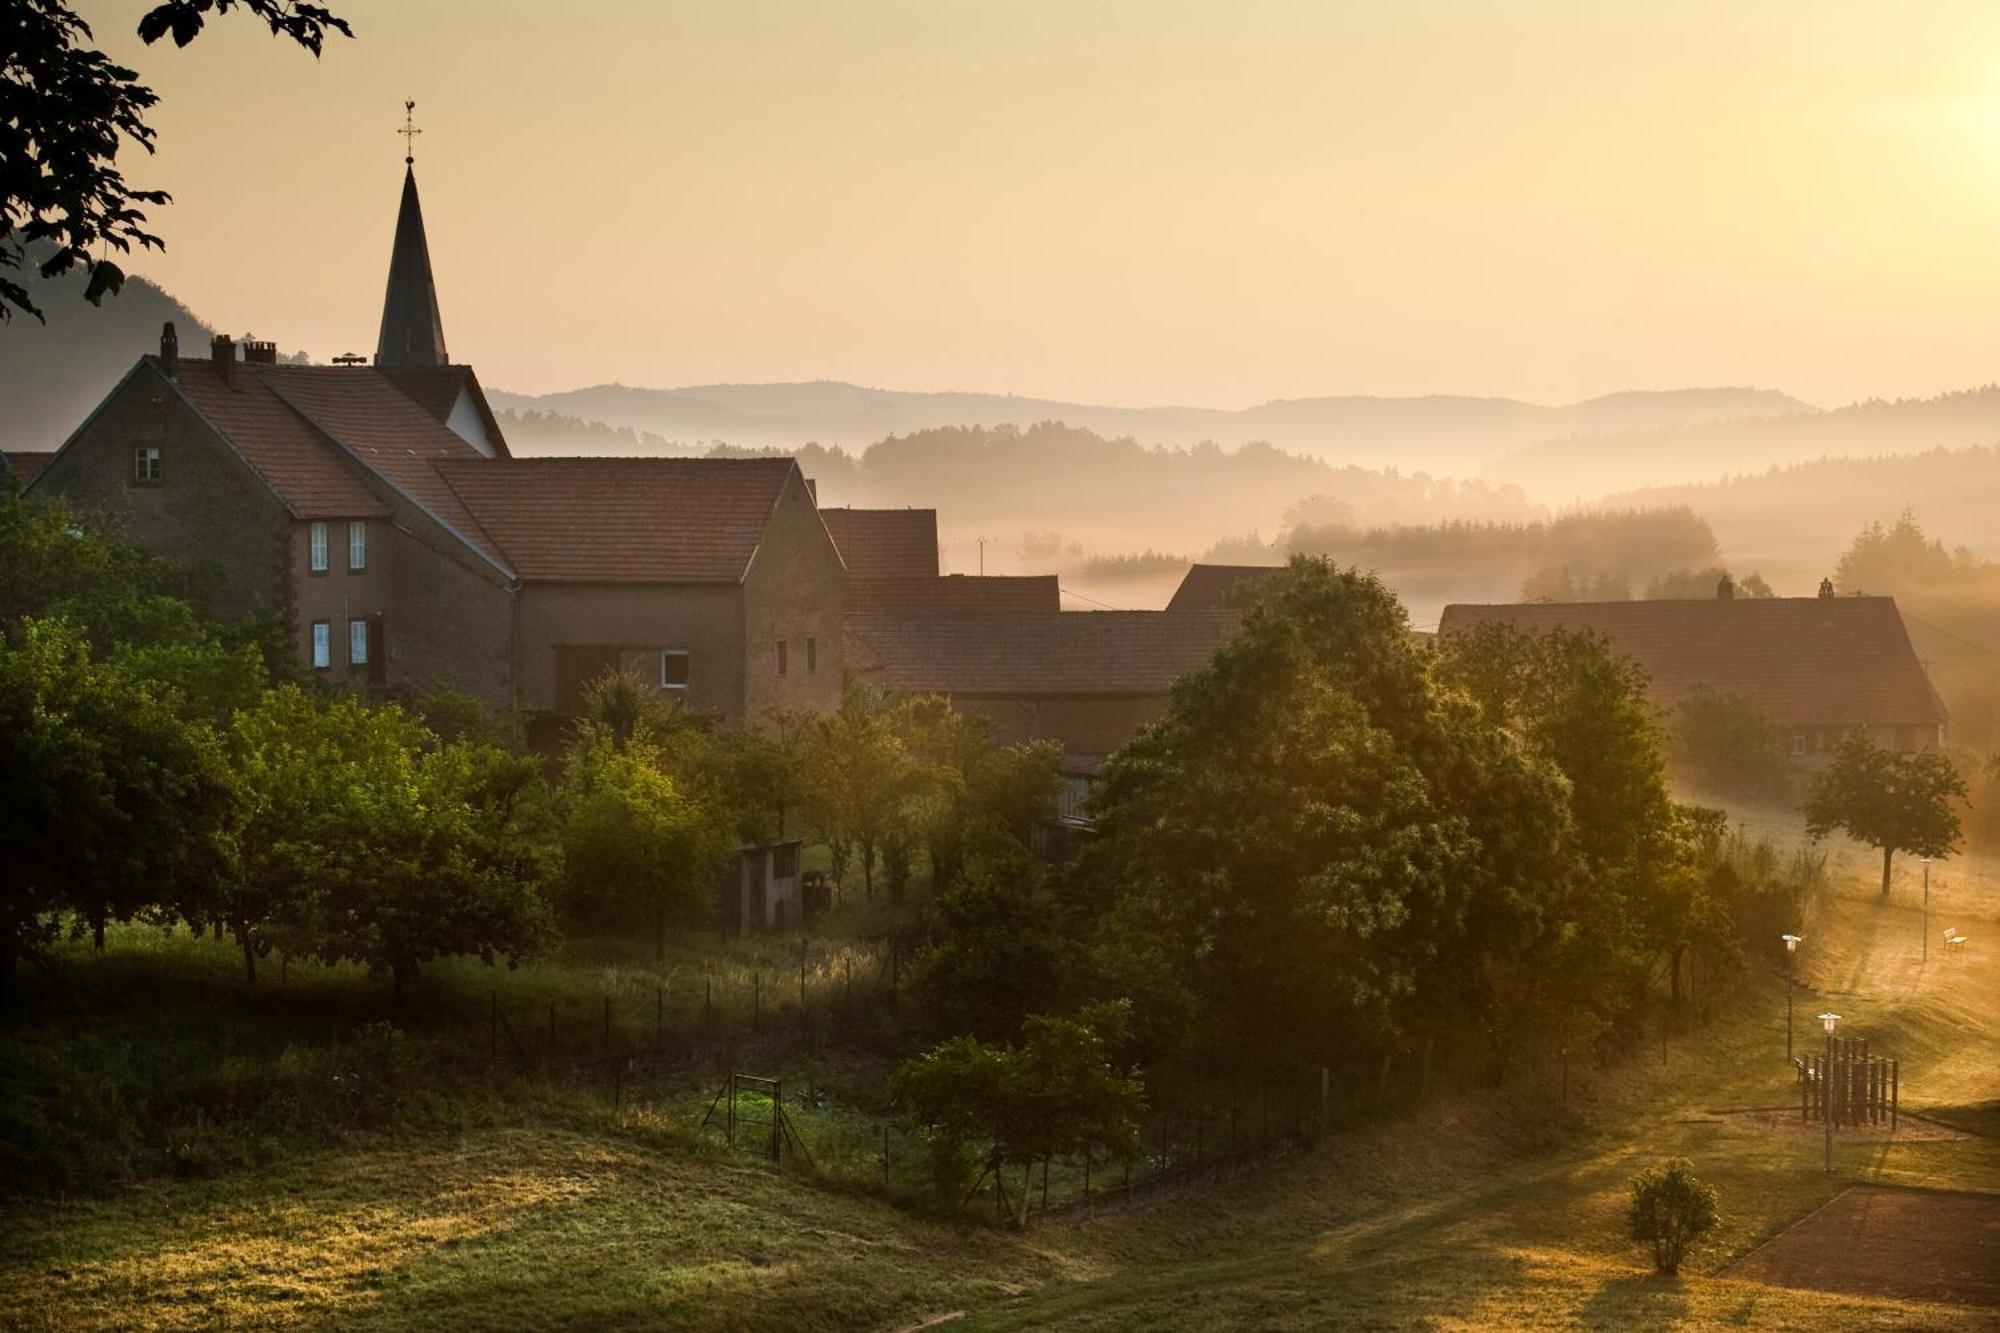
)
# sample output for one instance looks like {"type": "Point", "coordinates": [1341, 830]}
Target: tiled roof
{"type": "Point", "coordinates": [1219, 587]}
{"type": "Point", "coordinates": [382, 427]}
{"type": "Point", "coordinates": [1069, 653]}
{"type": "Point", "coordinates": [306, 470]}
{"type": "Point", "coordinates": [967, 594]}
{"type": "Point", "coordinates": [623, 520]}
{"type": "Point", "coordinates": [885, 543]}
{"type": "Point", "coordinates": [1807, 661]}
{"type": "Point", "coordinates": [436, 389]}
{"type": "Point", "coordinates": [28, 464]}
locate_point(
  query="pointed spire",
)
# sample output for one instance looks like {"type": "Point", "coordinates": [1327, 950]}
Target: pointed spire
{"type": "Point", "coordinates": [412, 330]}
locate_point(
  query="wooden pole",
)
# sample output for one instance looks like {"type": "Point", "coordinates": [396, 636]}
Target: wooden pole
{"type": "Point", "coordinates": [1895, 1089]}
{"type": "Point", "coordinates": [659, 1014]}
{"type": "Point", "coordinates": [756, 1001]}
{"type": "Point", "coordinates": [493, 1022]}
{"type": "Point", "coordinates": [607, 1022]}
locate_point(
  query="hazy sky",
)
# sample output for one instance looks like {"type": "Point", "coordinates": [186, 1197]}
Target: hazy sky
{"type": "Point", "coordinates": [1119, 200]}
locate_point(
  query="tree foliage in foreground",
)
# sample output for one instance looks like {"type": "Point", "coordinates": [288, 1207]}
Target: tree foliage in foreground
{"type": "Point", "coordinates": [1056, 1094]}
{"type": "Point", "coordinates": [1725, 745]}
{"type": "Point", "coordinates": [66, 111]}
{"type": "Point", "coordinates": [1898, 802]}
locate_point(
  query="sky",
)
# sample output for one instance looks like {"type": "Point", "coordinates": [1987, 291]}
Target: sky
{"type": "Point", "coordinates": [1120, 201]}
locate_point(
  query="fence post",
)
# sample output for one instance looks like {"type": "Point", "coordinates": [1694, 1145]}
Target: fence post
{"type": "Point", "coordinates": [493, 1023]}
{"type": "Point", "coordinates": [1895, 1088]}
{"type": "Point", "coordinates": [607, 1022]}
{"type": "Point", "coordinates": [756, 1001]}
{"type": "Point", "coordinates": [552, 1029]}
{"type": "Point", "coordinates": [659, 1014]}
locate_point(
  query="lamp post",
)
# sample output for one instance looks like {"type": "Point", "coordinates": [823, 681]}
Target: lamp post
{"type": "Point", "coordinates": [1927, 910]}
{"type": "Point", "coordinates": [1826, 1088]}
{"type": "Point", "coordinates": [1791, 973]}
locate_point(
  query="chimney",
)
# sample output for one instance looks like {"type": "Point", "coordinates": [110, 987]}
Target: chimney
{"type": "Point", "coordinates": [170, 350]}
{"type": "Point", "coordinates": [1826, 587]}
{"type": "Point", "coordinates": [222, 352]}
{"type": "Point", "coordinates": [1725, 590]}
{"type": "Point", "coordinates": [256, 352]}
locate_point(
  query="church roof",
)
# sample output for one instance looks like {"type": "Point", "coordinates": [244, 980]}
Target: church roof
{"type": "Point", "coordinates": [1806, 661]}
{"type": "Point", "coordinates": [437, 390]}
{"type": "Point", "coordinates": [623, 520]}
{"type": "Point", "coordinates": [412, 330]}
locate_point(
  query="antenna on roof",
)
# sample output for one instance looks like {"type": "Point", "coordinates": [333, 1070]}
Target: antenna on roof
{"type": "Point", "coordinates": [409, 132]}
{"type": "Point", "coordinates": [350, 359]}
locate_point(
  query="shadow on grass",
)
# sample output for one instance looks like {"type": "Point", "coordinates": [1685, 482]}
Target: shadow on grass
{"type": "Point", "coordinates": [1635, 1300]}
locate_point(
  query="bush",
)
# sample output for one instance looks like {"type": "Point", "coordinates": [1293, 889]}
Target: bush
{"type": "Point", "coordinates": [1670, 1211]}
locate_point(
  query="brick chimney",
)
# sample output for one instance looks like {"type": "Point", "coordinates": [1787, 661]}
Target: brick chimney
{"type": "Point", "coordinates": [1725, 590]}
{"type": "Point", "coordinates": [222, 351]}
{"type": "Point", "coordinates": [170, 350]}
{"type": "Point", "coordinates": [259, 353]}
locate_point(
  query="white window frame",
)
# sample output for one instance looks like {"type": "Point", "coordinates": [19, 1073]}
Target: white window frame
{"type": "Point", "coordinates": [316, 557]}
{"type": "Point", "coordinates": [687, 669]}
{"type": "Point", "coordinates": [357, 638]}
{"type": "Point", "coordinates": [1801, 744]}
{"type": "Point", "coordinates": [322, 645]}
{"type": "Point", "coordinates": [357, 545]}
{"type": "Point", "coordinates": [146, 464]}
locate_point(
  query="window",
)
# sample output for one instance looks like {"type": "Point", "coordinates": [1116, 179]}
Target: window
{"type": "Point", "coordinates": [812, 655]}
{"type": "Point", "coordinates": [674, 670]}
{"type": "Point", "coordinates": [317, 536]}
{"type": "Point", "coordinates": [322, 645]}
{"type": "Point", "coordinates": [146, 465]}
{"type": "Point", "coordinates": [357, 546]}
{"type": "Point", "coordinates": [357, 642]}
{"type": "Point", "coordinates": [1800, 743]}
{"type": "Point", "coordinates": [781, 656]}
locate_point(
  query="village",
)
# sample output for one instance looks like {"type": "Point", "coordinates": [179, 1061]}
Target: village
{"type": "Point", "coordinates": [459, 876]}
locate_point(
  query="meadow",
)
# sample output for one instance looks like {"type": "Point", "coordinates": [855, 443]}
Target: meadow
{"type": "Point", "coordinates": [333, 1162]}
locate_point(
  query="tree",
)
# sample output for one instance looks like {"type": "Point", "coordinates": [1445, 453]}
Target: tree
{"type": "Point", "coordinates": [1055, 1094]}
{"type": "Point", "coordinates": [1670, 1210]}
{"type": "Point", "coordinates": [858, 780]}
{"type": "Point", "coordinates": [1898, 802]}
{"type": "Point", "coordinates": [1008, 946]}
{"type": "Point", "coordinates": [116, 796]}
{"type": "Point", "coordinates": [66, 111]}
{"type": "Point", "coordinates": [634, 840]}
{"type": "Point", "coordinates": [1316, 844]}
{"type": "Point", "coordinates": [1727, 746]}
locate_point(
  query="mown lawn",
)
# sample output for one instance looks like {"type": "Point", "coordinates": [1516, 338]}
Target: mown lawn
{"type": "Point", "coordinates": [557, 1210]}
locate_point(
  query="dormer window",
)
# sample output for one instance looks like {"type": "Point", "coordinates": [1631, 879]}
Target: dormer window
{"type": "Point", "coordinates": [316, 539]}
{"type": "Point", "coordinates": [146, 465]}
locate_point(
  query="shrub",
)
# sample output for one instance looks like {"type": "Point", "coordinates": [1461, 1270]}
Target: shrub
{"type": "Point", "coordinates": [1670, 1211]}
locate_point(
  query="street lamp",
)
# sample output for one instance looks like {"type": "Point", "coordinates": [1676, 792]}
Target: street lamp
{"type": "Point", "coordinates": [1791, 971]}
{"type": "Point", "coordinates": [1927, 909]}
{"type": "Point", "coordinates": [1826, 1088]}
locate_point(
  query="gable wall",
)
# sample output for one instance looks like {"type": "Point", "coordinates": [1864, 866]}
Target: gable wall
{"type": "Point", "coordinates": [209, 506]}
{"type": "Point", "coordinates": [631, 623]}
{"type": "Point", "coordinates": [793, 592]}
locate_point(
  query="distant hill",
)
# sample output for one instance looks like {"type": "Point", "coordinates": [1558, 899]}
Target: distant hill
{"type": "Point", "coordinates": [1793, 522]}
{"type": "Point", "coordinates": [1437, 434]}
{"type": "Point", "coordinates": [52, 375]}
{"type": "Point", "coordinates": [1587, 467]}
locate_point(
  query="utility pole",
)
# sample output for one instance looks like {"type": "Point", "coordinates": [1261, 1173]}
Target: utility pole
{"type": "Point", "coordinates": [1927, 911]}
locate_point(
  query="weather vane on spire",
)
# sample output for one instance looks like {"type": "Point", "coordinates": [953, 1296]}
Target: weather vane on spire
{"type": "Point", "coordinates": [409, 133]}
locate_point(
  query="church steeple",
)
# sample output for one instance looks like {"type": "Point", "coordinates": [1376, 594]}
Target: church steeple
{"type": "Point", "coordinates": [412, 330]}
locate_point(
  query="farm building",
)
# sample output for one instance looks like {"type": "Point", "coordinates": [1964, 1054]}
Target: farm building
{"type": "Point", "coordinates": [1817, 666]}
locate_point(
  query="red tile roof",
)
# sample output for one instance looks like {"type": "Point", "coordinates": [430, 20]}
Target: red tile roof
{"type": "Point", "coordinates": [1069, 653]}
{"type": "Point", "coordinates": [436, 389]}
{"type": "Point", "coordinates": [967, 594]}
{"type": "Point", "coordinates": [1807, 661]}
{"type": "Point", "coordinates": [382, 427]}
{"type": "Point", "coordinates": [304, 468]}
{"type": "Point", "coordinates": [623, 520]}
{"type": "Point", "coordinates": [28, 464]}
{"type": "Point", "coordinates": [1219, 587]}
{"type": "Point", "coordinates": [885, 543]}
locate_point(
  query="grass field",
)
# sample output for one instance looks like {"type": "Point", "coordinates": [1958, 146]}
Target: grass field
{"type": "Point", "coordinates": [539, 1207]}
